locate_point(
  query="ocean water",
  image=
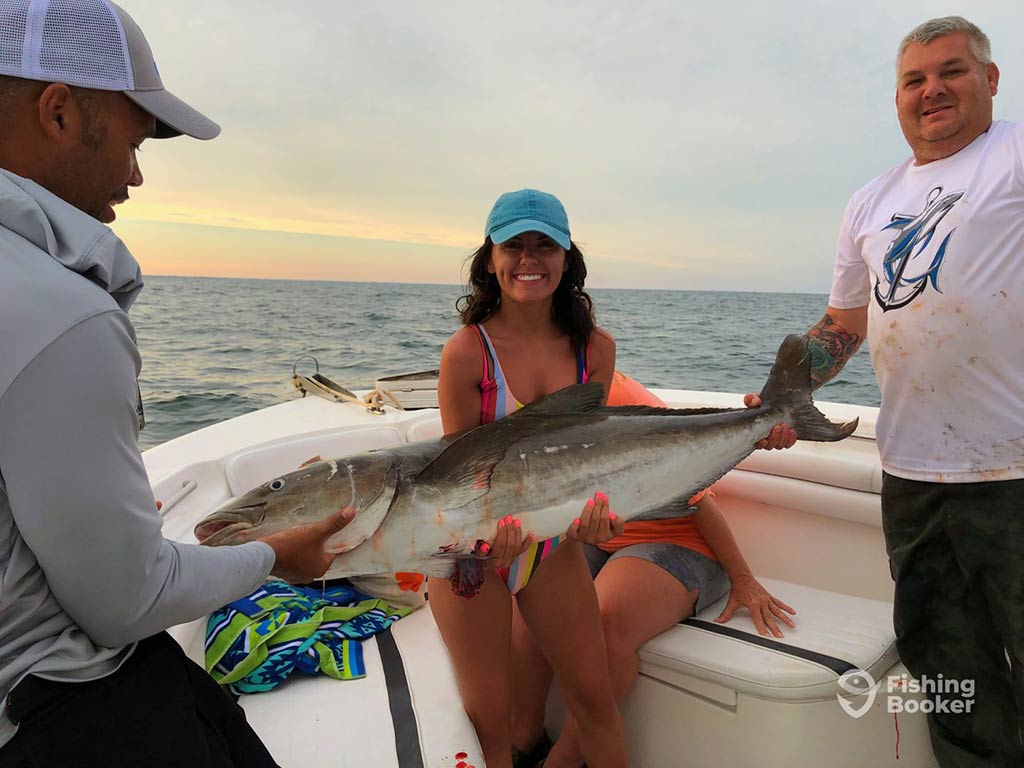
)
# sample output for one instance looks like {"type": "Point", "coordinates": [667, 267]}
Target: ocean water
{"type": "Point", "coordinates": [217, 348]}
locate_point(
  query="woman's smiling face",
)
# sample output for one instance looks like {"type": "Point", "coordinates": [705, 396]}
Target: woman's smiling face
{"type": "Point", "coordinates": [528, 267]}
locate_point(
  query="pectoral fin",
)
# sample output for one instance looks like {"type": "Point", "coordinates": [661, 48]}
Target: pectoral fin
{"type": "Point", "coordinates": [463, 470]}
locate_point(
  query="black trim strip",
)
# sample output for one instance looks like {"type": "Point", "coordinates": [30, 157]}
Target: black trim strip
{"type": "Point", "coordinates": [407, 735]}
{"type": "Point", "coordinates": [839, 666]}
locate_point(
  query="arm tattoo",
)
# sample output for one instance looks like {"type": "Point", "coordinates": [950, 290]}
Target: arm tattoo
{"type": "Point", "coordinates": [830, 346]}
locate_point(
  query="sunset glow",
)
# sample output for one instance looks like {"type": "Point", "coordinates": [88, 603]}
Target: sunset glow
{"type": "Point", "coordinates": [693, 148]}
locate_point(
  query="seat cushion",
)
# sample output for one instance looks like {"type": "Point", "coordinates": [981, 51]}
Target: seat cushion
{"type": "Point", "coordinates": [427, 429]}
{"type": "Point", "coordinates": [255, 466]}
{"type": "Point", "coordinates": [834, 634]}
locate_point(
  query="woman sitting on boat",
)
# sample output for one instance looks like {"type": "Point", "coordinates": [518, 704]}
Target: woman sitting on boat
{"type": "Point", "coordinates": [529, 330]}
{"type": "Point", "coordinates": [648, 579]}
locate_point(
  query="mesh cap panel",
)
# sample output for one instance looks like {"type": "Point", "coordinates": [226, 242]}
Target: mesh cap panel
{"type": "Point", "coordinates": [13, 15]}
{"type": "Point", "coordinates": [92, 44]}
{"type": "Point", "coordinates": [82, 44]}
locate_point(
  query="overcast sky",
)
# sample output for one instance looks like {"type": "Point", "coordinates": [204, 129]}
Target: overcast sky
{"type": "Point", "coordinates": [694, 145]}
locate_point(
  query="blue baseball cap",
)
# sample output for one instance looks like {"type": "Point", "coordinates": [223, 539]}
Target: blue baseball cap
{"type": "Point", "coordinates": [528, 210]}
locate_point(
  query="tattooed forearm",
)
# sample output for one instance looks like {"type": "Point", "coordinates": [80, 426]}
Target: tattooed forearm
{"type": "Point", "coordinates": [830, 346]}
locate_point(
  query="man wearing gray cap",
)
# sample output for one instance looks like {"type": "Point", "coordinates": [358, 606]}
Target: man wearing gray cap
{"type": "Point", "coordinates": [87, 581]}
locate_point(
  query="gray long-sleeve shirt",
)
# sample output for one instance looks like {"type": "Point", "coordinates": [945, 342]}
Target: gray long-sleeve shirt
{"type": "Point", "coordinates": [84, 569]}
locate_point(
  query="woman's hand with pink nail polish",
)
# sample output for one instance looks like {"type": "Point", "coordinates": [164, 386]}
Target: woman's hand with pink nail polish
{"type": "Point", "coordinates": [597, 524]}
{"type": "Point", "coordinates": [509, 542]}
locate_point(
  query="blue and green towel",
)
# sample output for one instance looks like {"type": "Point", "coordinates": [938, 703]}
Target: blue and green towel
{"type": "Point", "coordinates": [256, 642]}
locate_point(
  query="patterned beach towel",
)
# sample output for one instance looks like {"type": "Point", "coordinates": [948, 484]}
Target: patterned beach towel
{"type": "Point", "coordinates": [256, 642]}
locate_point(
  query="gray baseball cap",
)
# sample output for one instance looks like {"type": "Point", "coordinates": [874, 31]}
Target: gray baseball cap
{"type": "Point", "coordinates": [92, 44]}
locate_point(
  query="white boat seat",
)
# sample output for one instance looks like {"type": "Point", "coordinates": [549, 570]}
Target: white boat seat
{"type": "Point", "coordinates": [255, 466]}
{"type": "Point", "coordinates": [856, 467]}
{"type": "Point", "coordinates": [428, 429]}
{"type": "Point", "coordinates": [835, 633]}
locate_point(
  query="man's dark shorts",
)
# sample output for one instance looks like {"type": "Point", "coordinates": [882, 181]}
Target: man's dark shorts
{"type": "Point", "coordinates": [159, 709]}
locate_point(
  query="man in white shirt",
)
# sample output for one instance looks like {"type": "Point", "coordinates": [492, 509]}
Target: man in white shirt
{"type": "Point", "coordinates": [930, 266]}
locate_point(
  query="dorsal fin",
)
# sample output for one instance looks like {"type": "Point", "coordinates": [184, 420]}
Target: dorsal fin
{"type": "Point", "coordinates": [578, 398]}
{"type": "Point", "coordinates": [468, 461]}
{"type": "Point", "coordinates": [653, 410]}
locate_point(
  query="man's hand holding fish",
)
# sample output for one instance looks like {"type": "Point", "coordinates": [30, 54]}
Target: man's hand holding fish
{"type": "Point", "coordinates": [300, 555]}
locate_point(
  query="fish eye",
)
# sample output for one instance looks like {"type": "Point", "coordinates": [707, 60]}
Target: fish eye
{"type": "Point", "coordinates": [277, 485]}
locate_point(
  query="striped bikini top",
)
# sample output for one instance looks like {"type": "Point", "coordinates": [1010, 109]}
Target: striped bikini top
{"type": "Point", "coordinates": [496, 400]}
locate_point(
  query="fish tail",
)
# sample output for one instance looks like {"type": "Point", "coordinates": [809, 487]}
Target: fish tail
{"type": "Point", "coordinates": [789, 389]}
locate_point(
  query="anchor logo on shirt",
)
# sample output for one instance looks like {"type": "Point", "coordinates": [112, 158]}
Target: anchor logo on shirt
{"type": "Point", "coordinates": [914, 234]}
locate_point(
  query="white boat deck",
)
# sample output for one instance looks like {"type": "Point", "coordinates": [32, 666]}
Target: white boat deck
{"type": "Point", "coordinates": [807, 519]}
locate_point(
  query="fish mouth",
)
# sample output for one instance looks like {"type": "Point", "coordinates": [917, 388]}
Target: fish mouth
{"type": "Point", "coordinates": [219, 529]}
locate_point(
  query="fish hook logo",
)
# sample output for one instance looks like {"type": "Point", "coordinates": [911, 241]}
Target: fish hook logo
{"type": "Point", "coordinates": [857, 682]}
{"type": "Point", "coordinates": [914, 234]}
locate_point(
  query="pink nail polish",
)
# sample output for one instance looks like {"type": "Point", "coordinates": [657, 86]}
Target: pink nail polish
{"type": "Point", "coordinates": [517, 523]}
{"type": "Point", "coordinates": [576, 522]}
{"type": "Point", "coordinates": [501, 523]}
{"type": "Point", "coordinates": [611, 515]}
{"type": "Point", "coordinates": [601, 496]}
{"type": "Point", "coordinates": [589, 504]}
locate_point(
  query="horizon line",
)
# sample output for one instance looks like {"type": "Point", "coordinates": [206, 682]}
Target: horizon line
{"type": "Point", "coordinates": [463, 286]}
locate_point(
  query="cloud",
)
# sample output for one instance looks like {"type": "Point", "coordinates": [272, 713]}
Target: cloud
{"type": "Point", "coordinates": [698, 140]}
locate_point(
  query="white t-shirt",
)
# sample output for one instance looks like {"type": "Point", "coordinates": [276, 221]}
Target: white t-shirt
{"type": "Point", "coordinates": [936, 251]}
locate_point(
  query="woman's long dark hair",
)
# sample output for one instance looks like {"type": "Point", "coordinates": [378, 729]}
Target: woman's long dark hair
{"type": "Point", "coordinates": [571, 307]}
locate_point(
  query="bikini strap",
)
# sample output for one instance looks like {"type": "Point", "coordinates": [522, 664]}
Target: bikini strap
{"type": "Point", "coordinates": [583, 364]}
{"type": "Point", "coordinates": [489, 394]}
{"type": "Point", "coordinates": [487, 359]}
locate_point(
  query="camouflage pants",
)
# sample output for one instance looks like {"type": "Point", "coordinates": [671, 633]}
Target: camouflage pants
{"type": "Point", "coordinates": [956, 551]}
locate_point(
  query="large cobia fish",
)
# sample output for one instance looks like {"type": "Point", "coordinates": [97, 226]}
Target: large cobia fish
{"type": "Point", "coordinates": [428, 507]}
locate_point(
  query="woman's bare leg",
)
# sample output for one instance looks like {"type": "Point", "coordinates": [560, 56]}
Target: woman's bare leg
{"type": "Point", "coordinates": [638, 600]}
{"type": "Point", "coordinates": [476, 633]}
{"type": "Point", "coordinates": [531, 681]}
{"type": "Point", "coordinates": [560, 608]}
